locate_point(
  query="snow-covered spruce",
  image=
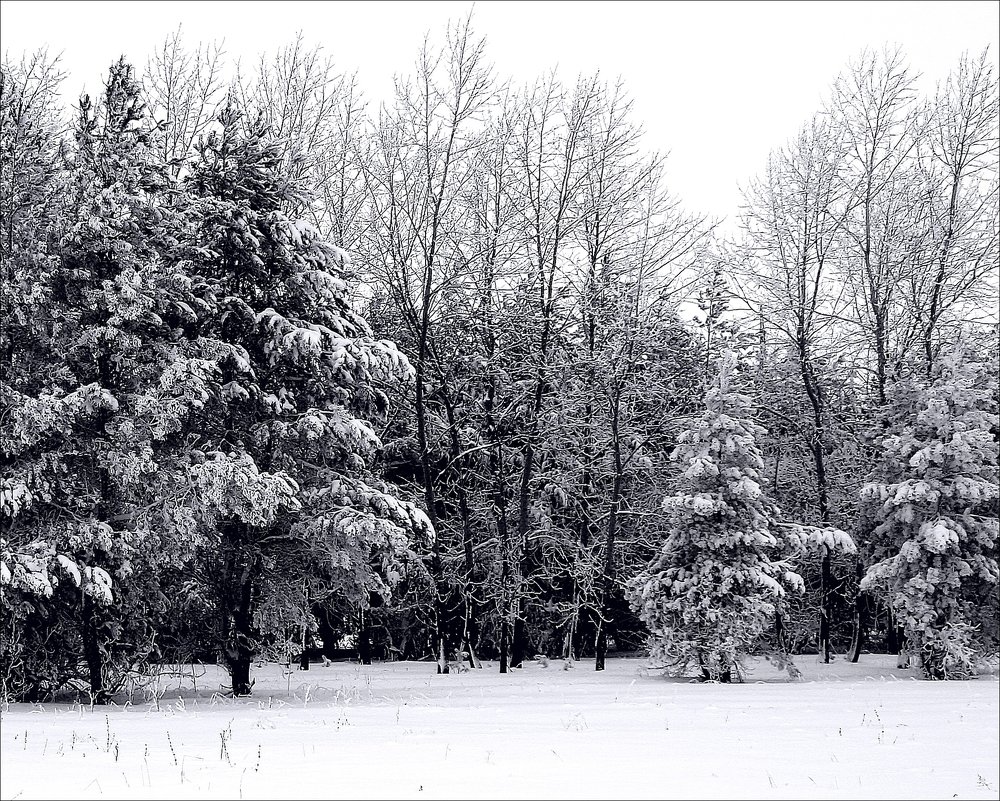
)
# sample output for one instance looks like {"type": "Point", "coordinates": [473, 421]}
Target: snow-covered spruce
{"type": "Point", "coordinates": [727, 561]}
{"type": "Point", "coordinates": [933, 500]}
{"type": "Point", "coordinates": [709, 594]}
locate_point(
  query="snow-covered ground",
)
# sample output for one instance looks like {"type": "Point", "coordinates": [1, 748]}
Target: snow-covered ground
{"type": "Point", "coordinates": [401, 731]}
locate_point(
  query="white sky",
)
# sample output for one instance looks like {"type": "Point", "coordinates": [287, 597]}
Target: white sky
{"type": "Point", "coordinates": [718, 84]}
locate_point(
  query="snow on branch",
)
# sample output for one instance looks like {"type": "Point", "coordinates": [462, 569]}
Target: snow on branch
{"type": "Point", "coordinates": [814, 538]}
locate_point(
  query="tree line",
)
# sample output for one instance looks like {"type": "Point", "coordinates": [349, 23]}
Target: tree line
{"type": "Point", "coordinates": [459, 377]}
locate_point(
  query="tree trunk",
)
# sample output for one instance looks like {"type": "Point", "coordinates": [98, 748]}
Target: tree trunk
{"type": "Point", "coordinates": [364, 639]}
{"type": "Point", "coordinates": [239, 670]}
{"type": "Point", "coordinates": [817, 444]}
{"type": "Point", "coordinates": [92, 652]}
{"type": "Point", "coordinates": [430, 500]}
{"type": "Point", "coordinates": [608, 576]}
{"type": "Point", "coordinates": [240, 641]}
{"type": "Point", "coordinates": [586, 528]}
{"type": "Point", "coordinates": [503, 534]}
{"type": "Point", "coordinates": [892, 639]}
{"type": "Point", "coordinates": [602, 646]}
{"type": "Point", "coordinates": [519, 645]}
{"type": "Point", "coordinates": [468, 642]}
{"type": "Point", "coordinates": [472, 580]}
{"type": "Point", "coordinates": [241, 652]}
{"type": "Point", "coordinates": [826, 574]}
{"type": "Point", "coordinates": [934, 311]}
{"type": "Point", "coordinates": [567, 646]}
{"type": "Point", "coordinates": [304, 655]}
{"type": "Point", "coordinates": [583, 625]}
{"type": "Point", "coordinates": [826, 579]}
{"type": "Point", "coordinates": [504, 645]}
{"type": "Point", "coordinates": [860, 617]}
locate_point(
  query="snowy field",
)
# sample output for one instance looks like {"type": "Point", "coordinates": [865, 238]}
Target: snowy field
{"type": "Point", "coordinates": [400, 731]}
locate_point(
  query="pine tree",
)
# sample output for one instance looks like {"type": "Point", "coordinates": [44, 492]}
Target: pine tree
{"type": "Point", "coordinates": [283, 502]}
{"type": "Point", "coordinates": [933, 504]}
{"type": "Point", "coordinates": [714, 587]}
{"type": "Point", "coordinates": [81, 461]}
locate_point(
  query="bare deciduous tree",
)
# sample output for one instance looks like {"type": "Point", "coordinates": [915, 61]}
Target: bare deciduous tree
{"type": "Point", "coordinates": [793, 223]}
{"type": "Point", "coordinates": [183, 89]}
{"type": "Point", "coordinates": [420, 170]}
{"type": "Point", "coordinates": [959, 163]}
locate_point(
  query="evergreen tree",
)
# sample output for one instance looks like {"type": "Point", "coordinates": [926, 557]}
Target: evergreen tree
{"type": "Point", "coordinates": [932, 503]}
{"type": "Point", "coordinates": [81, 549]}
{"type": "Point", "coordinates": [282, 502]}
{"type": "Point", "coordinates": [188, 422]}
{"type": "Point", "coordinates": [714, 587]}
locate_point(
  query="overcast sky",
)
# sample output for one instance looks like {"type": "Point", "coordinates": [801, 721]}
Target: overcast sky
{"type": "Point", "coordinates": [717, 84]}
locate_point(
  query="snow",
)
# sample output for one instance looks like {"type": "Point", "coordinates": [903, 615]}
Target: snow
{"type": "Point", "coordinates": [99, 585]}
{"type": "Point", "coordinates": [937, 536]}
{"type": "Point", "coordinates": [816, 538]}
{"type": "Point", "coordinates": [70, 567]}
{"type": "Point", "coordinates": [398, 730]}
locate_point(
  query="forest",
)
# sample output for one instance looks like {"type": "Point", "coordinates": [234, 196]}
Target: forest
{"type": "Point", "coordinates": [459, 377]}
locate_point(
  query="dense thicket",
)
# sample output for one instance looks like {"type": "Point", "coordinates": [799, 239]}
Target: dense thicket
{"type": "Point", "coordinates": [212, 449]}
